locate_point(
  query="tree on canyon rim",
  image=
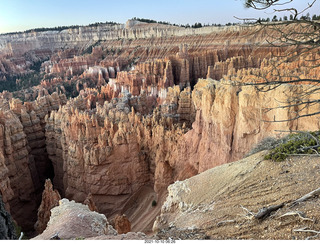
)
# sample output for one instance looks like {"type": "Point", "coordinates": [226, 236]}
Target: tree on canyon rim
{"type": "Point", "coordinates": [298, 42]}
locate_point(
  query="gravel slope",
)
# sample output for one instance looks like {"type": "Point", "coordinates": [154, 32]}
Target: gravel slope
{"type": "Point", "coordinates": [215, 201]}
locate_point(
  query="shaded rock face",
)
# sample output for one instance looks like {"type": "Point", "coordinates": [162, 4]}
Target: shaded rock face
{"type": "Point", "coordinates": [50, 199]}
{"type": "Point", "coordinates": [5, 186]}
{"type": "Point", "coordinates": [23, 154]}
{"type": "Point", "coordinates": [72, 220]}
{"type": "Point", "coordinates": [90, 203]}
{"type": "Point", "coordinates": [15, 155]}
{"type": "Point", "coordinates": [141, 117]}
{"type": "Point", "coordinates": [122, 224]}
{"type": "Point", "coordinates": [7, 230]}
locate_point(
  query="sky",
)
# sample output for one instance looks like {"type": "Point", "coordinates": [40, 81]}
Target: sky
{"type": "Point", "coordinates": [20, 15]}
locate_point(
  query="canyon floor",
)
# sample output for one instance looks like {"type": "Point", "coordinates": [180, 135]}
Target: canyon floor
{"type": "Point", "coordinates": [144, 120]}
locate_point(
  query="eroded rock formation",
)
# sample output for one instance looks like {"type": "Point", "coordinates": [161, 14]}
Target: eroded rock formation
{"type": "Point", "coordinates": [72, 220]}
{"type": "Point", "coordinates": [122, 224]}
{"type": "Point", "coordinates": [24, 153]}
{"type": "Point", "coordinates": [117, 112]}
{"type": "Point", "coordinates": [50, 199]}
{"type": "Point", "coordinates": [87, 147]}
{"type": "Point", "coordinates": [19, 194]}
{"type": "Point", "coordinates": [90, 203]}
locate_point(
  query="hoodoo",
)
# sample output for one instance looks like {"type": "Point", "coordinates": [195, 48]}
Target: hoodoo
{"type": "Point", "coordinates": [126, 122]}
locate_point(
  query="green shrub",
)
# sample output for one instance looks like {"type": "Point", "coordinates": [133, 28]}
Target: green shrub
{"type": "Point", "coordinates": [293, 144]}
{"type": "Point", "coordinates": [154, 203]}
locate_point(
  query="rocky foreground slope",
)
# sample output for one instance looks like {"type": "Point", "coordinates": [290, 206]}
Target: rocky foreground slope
{"type": "Point", "coordinates": [221, 202]}
{"type": "Point", "coordinates": [113, 123]}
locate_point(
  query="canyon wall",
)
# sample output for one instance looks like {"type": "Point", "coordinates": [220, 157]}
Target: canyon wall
{"type": "Point", "coordinates": [23, 154]}
{"type": "Point", "coordinates": [232, 118]}
{"type": "Point", "coordinates": [112, 151]}
{"type": "Point", "coordinates": [121, 109]}
{"type": "Point", "coordinates": [104, 153]}
{"type": "Point", "coordinates": [82, 37]}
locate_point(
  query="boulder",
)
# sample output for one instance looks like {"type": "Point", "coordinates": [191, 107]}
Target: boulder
{"type": "Point", "coordinates": [71, 220]}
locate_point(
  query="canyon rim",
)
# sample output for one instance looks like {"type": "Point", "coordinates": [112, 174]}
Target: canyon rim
{"type": "Point", "coordinates": [148, 125]}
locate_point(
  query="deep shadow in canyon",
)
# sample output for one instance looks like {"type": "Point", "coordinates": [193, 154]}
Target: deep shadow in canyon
{"type": "Point", "coordinates": [122, 117]}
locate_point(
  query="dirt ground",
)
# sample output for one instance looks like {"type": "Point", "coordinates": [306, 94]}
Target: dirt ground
{"type": "Point", "coordinates": [140, 211]}
{"type": "Point", "coordinates": [221, 202]}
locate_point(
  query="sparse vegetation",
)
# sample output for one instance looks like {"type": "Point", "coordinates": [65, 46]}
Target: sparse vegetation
{"type": "Point", "coordinates": [299, 143]}
{"type": "Point", "coordinates": [195, 25]}
{"type": "Point", "coordinates": [89, 49]}
{"type": "Point", "coordinates": [36, 66]}
{"type": "Point", "coordinates": [61, 28]}
{"type": "Point", "coordinates": [80, 238]}
{"type": "Point", "coordinates": [102, 23]}
{"type": "Point", "coordinates": [19, 232]}
{"type": "Point", "coordinates": [295, 144]}
{"type": "Point", "coordinates": [154, 203]}
{"type": "Point", "coordinates": [267, 143]}
{"type": "Point", "coordinates": [71, 90]}
{"type": "Point", "coordinates": [21, 81]}
{"type": "Point", "coordinates": [151, 21]}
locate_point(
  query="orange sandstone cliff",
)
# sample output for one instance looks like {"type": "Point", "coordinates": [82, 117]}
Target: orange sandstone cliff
{"type": "Point", "coordinates": [113, 122]}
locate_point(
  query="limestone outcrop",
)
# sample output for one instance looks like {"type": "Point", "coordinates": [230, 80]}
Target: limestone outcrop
{"type": "Point", "coordinates": [109, 133]}
{"type": "Point", "coordinates": [230, 120]}
{"type": "Point", "coordinates": [20, 43]}
{"type": "Point", "coordinates": [71, 220]}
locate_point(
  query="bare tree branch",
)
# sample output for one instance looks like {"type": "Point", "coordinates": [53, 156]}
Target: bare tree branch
{"type": "Point", "coordinates": [299, 214]}
{"type": "Point", "coordinates": [307, 196]}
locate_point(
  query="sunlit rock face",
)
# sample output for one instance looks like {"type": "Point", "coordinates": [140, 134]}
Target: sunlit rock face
{"type": "Point", "coordinates": [122, 108]}
{"type": "Point", "coordinates": [71, 220]}
{"type": "Point", "coordinates": [50, 199]}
